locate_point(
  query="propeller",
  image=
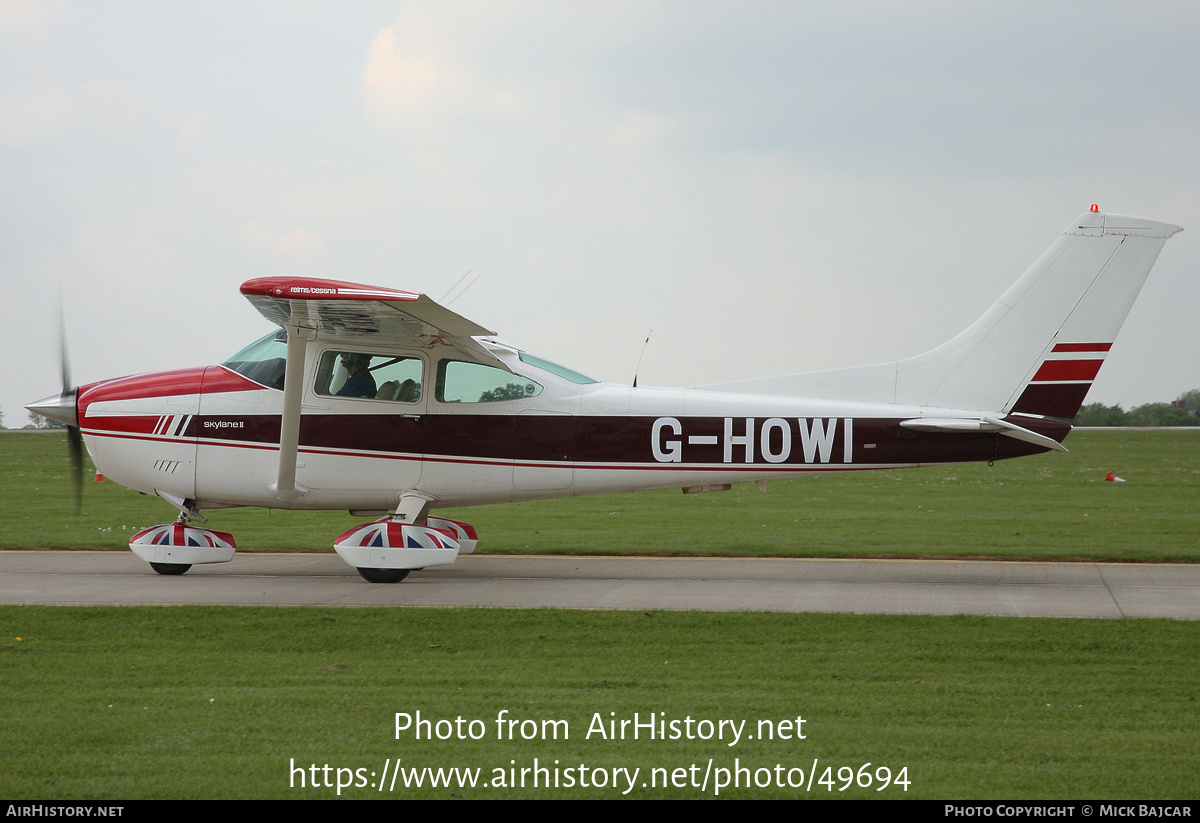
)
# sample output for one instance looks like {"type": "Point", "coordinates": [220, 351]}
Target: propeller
{"type": "Point", "coordinates": [74, 437]}
{"type": "Point", "coordinates": [62, 408]}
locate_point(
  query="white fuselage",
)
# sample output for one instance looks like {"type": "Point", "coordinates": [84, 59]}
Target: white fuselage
{"type": "Point", "coordinates": [211, 436]}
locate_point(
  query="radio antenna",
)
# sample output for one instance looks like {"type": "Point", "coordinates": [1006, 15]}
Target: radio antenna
{"type": "Point", "coordinates": [640, 356]}
{"type": "Point", "coordinates": [455, 286]}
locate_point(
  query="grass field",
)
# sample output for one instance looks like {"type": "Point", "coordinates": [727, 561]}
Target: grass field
{"type": "Point", "coordinates": [115, 703]}
{"type": "Point", "coordinates": [1051, 506]}
{"type": "Point", "coordinates": [181, 702]}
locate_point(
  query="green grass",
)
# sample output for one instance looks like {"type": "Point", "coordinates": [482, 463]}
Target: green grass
{"type": "Point", "coordinates": [120, 703]}
{"type": "Point", "coordinates": [1051, 506]}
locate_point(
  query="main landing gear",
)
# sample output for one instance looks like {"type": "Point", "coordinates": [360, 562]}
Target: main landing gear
{"type": "Point", "coordinates": [383, 575]}
{"type": "Point", "coordinates": [382, 552]}
{"type": "Point", "coordinates": [171, 568]}
{"type": "Point", "coordinates": [388, 549]}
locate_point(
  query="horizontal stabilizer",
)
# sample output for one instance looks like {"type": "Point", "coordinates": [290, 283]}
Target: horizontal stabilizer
{"type": "Point", "coordinates": [960, 425]}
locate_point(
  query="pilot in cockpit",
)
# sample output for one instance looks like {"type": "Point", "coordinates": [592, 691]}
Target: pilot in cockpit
{"type": "Point", "coordinates": [360, 383]}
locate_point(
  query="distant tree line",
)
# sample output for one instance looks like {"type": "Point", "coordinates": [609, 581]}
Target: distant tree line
{"type": "Point", "coordinates": [1185, 411]}
{"type": "Point", "coordinates": [36, 421]}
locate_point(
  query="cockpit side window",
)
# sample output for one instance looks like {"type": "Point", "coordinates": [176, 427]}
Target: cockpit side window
{"type": "Point", "coordinates": [264, 361]}
{"type": "Point", "coordinates": [462, 382]}
{"type": "Point", "coordinates": [395, 378]}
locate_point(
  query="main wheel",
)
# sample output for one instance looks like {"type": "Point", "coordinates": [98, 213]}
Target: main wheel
{"type": "Point", "coordinates": [383, 575]}
{"type": "Point", "coordinates": [170, 568]}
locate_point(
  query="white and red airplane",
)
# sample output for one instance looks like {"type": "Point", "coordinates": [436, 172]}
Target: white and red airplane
{"type": "Point", "coordinates": [389, 405]}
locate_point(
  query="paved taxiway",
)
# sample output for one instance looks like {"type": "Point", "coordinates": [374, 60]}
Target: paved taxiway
{"type": "Point", "coordinates": [755, 584]}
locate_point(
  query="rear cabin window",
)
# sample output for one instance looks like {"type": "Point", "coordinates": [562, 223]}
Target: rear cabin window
{"type": "Point", "coordinates": [461, 382]}
{"type": "Point", "coordinates": [395, 378]}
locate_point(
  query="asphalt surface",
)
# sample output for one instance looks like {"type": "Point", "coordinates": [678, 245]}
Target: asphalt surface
{"type": "Point", "coordinates": [1109, 590]}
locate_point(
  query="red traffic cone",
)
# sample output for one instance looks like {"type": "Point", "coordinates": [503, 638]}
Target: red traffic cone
{"type": "Point", "coordinates": [1113, 478]}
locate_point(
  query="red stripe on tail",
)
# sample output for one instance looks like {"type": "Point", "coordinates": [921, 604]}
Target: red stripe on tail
{"type": "Point", "coordinates": [1067, 370]}
{"type": "Point", "coordinates": [1082, 346]}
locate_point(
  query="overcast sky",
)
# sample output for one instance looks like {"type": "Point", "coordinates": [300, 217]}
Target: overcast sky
{"type": "Point", "coordinates": [770, 187]}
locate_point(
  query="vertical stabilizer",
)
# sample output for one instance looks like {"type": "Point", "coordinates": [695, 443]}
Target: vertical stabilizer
{"type": "Point", "coordinates": [1035, 351]}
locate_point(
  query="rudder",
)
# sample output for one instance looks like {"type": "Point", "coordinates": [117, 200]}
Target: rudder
{"type": "Point", "coordinates": [1060, 378]}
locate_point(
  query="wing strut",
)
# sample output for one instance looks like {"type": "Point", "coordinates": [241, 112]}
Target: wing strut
{"type": "Point", "coordinates": [289, 427]}
{"type": "Point", "coordinates": [306, 306]}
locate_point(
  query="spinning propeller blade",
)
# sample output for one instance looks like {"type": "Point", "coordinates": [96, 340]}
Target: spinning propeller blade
{"type": "Point", "coordinates": [61, 408]}
{"type": "Point", "coordinates": [74, 438]}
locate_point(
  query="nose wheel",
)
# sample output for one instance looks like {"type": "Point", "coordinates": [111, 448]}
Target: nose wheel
{"type": "Point", "coordinates": [173, 548]}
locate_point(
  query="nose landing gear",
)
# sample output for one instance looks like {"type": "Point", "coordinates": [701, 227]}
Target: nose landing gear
{"type": "Point", "coordinates": [174, 548]}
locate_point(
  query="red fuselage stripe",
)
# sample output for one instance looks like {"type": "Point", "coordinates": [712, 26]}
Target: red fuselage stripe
{"type": "Point", "coordinates": [586, 443]}
{"type": "Point", "coordinates": [676, 467]}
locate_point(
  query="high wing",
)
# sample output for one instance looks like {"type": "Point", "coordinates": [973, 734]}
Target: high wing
{"type": "Point", "coordinates": [309, 307]}
{"type": "Point", "coordinates": [336, 308]}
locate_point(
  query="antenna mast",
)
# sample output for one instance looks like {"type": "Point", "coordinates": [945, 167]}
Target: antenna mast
{"type": "Point", "coordinates": [640, 356]}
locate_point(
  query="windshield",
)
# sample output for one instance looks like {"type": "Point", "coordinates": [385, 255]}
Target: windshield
{"type": "Point", "coordinates": [263, 361]}
{"type": "Point", "coordinates": [554, 368]}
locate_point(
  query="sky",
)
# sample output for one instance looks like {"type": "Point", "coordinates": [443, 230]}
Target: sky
{"type": "Point", "coordinates": [761, 188]}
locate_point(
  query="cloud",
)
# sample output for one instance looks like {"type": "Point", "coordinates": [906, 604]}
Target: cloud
{"type": "Point", "coordinates": [295, 242]}
{"type": "Point", "coordinates": [799, 187]}
{"type": "Point", "coordinates": [54, 109]}
{"type": "Point", "coordinates": [396, 82]}
{"type": "Point", "coordinates": [24, 17]}
{"type": "Point", "coordinates": [35, 114]}
{"type": "Point", "coordinates": [421, 73]}
{"type": "Point", "coordinates": [638, 130]}
{"type": "Point", "coordinates": [450, 61]}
